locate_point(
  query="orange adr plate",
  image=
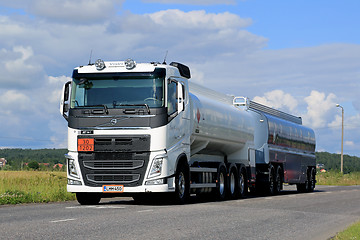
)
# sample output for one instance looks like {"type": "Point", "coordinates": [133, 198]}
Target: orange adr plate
{"type": "Point", "coordinates": [85, 145]}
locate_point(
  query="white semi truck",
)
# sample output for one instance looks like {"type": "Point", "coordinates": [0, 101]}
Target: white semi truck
{"type": "Point", "coordinates": [136, 129]}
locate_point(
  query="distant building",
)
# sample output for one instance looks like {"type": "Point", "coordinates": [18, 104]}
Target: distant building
{"type": "Point", "coordinates": [2, 162]}
{"type": "Point", "coordinates": [58, 165]}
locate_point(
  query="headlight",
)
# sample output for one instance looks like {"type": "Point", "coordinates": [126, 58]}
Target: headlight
{"type": "Point", "coordinates": [156, 167]}
{"type": "Point", "coordinates": [72, 168]}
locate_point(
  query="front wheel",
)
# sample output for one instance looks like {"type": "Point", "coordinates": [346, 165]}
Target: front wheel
{"type": "Point", "coordinates": [182, 185]}
{"type": "Point", "coordinates": [88, 198]}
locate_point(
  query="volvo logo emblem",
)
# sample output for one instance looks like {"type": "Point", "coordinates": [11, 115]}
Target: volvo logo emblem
{"type": "Point", "coordinates": [113, 121]}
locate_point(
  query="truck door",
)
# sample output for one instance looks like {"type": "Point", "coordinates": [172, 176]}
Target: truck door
{"type": "Point", "coordinates": [175, 104]}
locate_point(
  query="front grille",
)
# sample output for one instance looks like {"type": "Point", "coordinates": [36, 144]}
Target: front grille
{"type": "Point", "coordinates": [115, 160]}
{"type": "Point", "coordinates": [111, 164]}
{"type": "Point", "coordinates": [113, 178]}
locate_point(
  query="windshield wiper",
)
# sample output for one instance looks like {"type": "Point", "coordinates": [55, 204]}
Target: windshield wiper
{"type": "Point", "coordinates": [99, 105]}
{"type": "Point", "coordinates": [133, 105]}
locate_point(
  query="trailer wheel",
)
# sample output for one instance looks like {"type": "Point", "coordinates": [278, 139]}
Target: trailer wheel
{"type": "Point", "coordinates": [88, 198]}
{"type": "Point", "coordinates": [278, 180]}
{"type": "Point", "coordinates": [182, 185]}
{"type": "Point", "coordinates": [242, 183]}
{"type": "Point", "coordinates": [304, 187]}
{"type": "Point", "coordinates": [312, 180]}
{"type": "Point", "coordinates": [221, 183]}
{"type": "Point", "coordinates": [233, 183]}
{"type": "Point", "coordinates": [271, 184]}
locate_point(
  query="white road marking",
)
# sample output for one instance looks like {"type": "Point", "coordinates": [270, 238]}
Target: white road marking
{"type": "Point", "coordinates": [148, 210]}
{"type": "Point", "coordinates": [97, 207]}
{"type": "Point", "coordinates": [63, 220]}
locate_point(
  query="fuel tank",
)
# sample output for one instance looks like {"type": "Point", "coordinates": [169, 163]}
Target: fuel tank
{"type": "Point", "coordinates": [217, 126]}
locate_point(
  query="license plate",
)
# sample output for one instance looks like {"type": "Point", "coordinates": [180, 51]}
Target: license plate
{"type": "Point", "coordinates": [85, 145]}
{"type": "Point", "coordinates": [113, 188]}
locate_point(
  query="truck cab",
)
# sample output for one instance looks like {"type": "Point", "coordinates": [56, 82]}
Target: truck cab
{"type": "Point", "coordinates": [127, 127]}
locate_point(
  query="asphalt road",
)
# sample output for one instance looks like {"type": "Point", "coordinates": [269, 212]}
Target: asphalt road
{"type": "Point", "coordinates": [317, 215]}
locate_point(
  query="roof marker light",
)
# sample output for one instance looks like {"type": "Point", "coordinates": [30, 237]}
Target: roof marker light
{"type": "Point", "coordinates": [99, 64]}
{"type": "Point", "coordinates": [130, 64]}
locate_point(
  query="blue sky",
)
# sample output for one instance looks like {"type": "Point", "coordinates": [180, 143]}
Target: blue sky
{"type": "Point", "coordinates": [286, 24]}
{"type": "Point", "coordinates": [301, 57]}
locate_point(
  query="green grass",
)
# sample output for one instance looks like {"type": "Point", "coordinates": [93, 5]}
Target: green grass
{"type": "Point", "coordinates": [33, 187]}
{"type": "Point", "coordinates": [351, 233]}
{"type": "Point", "coordinates": [338, 179]}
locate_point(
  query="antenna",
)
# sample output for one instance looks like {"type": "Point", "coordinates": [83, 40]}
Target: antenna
{"type": "Point", "coordinates": [165, 57]}
{"type": "Point", "coordinates": [90, 57]}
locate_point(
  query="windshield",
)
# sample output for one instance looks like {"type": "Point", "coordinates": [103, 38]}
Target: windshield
{"type": "Point", "coordinates": [118, 93]}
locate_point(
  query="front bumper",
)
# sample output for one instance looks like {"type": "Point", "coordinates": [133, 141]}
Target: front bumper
{"type": "Point", "coordinates": [168, 187]}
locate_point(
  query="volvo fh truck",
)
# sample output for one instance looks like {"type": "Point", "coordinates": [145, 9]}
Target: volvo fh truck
{"type": "Point", "coordinates": [141, 129]}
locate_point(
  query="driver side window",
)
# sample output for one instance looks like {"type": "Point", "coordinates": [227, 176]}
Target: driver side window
{"type": "Point", "coordinates": [172, 101]}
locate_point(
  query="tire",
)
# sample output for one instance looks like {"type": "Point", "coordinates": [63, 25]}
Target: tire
{"type": "Point", "coordinates": [271, 184]}
{"type": "Point", "coordinates": [88, 198]}
{"type": "Point", "coordinates": [182, 185]}
{"type": "Point", "coordinates": [278, 180]}
{"type": "Point", "coordinates": [221, 184]}
{"type": "Point", "coordinates": [233, 183]}
{"type": "Point", "coordinates": [304, 187]}
{"type": "Point", "coordinates": [312, 180]}
{"type": "Point", "coordinates": [242, 183]}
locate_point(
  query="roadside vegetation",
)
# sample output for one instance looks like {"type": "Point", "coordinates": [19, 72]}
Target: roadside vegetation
{"type": "Point", "coordinates": [33, 187]}
{"type": "Point", "coordinates": [338, 179]}
{"type": "Point", "coordinates": [351, 233]}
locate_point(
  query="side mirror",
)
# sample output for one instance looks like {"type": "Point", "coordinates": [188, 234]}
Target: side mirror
{"type": "Point", "coordinates": [64, 105]}
{"type": "Point", "coordinates": [180, 97]}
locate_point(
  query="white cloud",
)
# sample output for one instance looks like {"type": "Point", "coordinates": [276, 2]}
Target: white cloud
{"type": "Point", "coordinates": [192, 2]}
{"type": "Point", "coordinates": [349, 143]}
{"type": "Point", "coordinates": [13, 99]}
{"type": "Point", "coordinates": [80, 11]}
{"type": "Point", "coordinates": [194, 35]}
{"type": "Point", "coordinates": [175, 18]}
{"type": "Point", "coordinates": [19, 68]}
{"type": "Point", "coordinates": [318, 108]}
{"type": "Point", "coordinates": [278, 99]}
{"type": "Point", "coordinates": [336, 123]}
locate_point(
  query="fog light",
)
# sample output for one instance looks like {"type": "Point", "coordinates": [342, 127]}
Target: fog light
{"type": "Point", "coordinates": [155, 182]}
{"type": "Point", "coordinates": [73, 182]}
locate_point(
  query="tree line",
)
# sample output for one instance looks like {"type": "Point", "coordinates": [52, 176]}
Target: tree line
{"type": "Point", "coordinates": [332, 162]}
{"type": "Point", "coordinates": [16, 159]}
{"type": "Point", "coordinates": [20, 159]}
